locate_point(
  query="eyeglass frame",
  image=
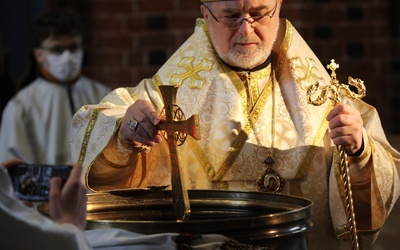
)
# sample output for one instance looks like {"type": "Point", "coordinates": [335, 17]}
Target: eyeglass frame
{"type": "Point", "coordinates": [244, 19]}
{"type": "Point", "coordinates": [59, 49]}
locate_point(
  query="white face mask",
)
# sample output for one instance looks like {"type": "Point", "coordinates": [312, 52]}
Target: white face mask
{"type": "Point", "coordinates": [66, 66]}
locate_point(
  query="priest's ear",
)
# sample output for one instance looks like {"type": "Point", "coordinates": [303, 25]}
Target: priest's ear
{"type": "Point", "coordinates": [204, 11]}
{"type": "Point", "coordinates": [39, 55]}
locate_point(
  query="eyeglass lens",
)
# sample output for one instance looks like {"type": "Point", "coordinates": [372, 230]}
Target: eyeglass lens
{"type": "Point", "coordinates": [59, 49]}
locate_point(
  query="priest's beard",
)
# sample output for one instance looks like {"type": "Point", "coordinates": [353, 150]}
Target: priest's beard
{"type": "Point", "coordinates": [246, 58]}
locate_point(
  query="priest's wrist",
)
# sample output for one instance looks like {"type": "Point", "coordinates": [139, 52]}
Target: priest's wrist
{"type": "Point", "coordinates": [134, 146]}
{"type": "Point", "coordinates": [126, 143]}
{"type": "Point", "coordinates": [361, 168]}
{"type": "Point", "coordinates": [359, 151]}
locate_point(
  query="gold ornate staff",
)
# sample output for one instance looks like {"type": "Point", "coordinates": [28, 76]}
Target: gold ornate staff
{"type": "Point", "coordinates": [335, 91]}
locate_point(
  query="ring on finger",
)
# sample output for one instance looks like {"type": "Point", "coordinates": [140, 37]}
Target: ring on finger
{"type": "Point", "coordinates": [132, 125]}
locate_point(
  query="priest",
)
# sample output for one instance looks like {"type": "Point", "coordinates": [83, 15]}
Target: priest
{"type": "Point", "coordinates": [245, 72]}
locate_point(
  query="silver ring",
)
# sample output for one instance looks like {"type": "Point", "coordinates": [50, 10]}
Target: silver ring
{"type": "Point", "coordinates": [132, 125]}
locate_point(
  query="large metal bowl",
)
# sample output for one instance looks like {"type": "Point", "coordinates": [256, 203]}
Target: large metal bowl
{"type": "Point", "coordinates": [266, 219]}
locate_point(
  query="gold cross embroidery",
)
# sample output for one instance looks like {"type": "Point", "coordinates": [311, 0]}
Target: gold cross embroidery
{"type": "Point", "coordinates": [192, 72]}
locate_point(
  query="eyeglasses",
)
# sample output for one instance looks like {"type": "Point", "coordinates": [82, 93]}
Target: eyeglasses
{"type": "Point", "coordinates": [59, 49]}
{"type": "Point", "coordinates": [236, 22]}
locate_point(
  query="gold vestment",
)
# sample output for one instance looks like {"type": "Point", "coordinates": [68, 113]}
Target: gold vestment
{"type": "Point", "coordinates": [237, 133]}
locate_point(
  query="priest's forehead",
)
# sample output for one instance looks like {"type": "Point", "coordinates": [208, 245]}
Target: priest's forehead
{"type": "Point", "coordinates": [242, 3]}
{"type": "Point", "coordinates": [245, 1]}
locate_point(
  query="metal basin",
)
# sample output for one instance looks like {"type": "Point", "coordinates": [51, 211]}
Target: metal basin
{"type": "Point", "coordinates": [263, 219]}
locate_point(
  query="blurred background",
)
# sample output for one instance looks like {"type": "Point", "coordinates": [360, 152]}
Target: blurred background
{"type": "Point", "coordinates": [128, 40]}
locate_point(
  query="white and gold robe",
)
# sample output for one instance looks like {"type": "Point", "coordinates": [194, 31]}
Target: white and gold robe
{"type": "Point", "coordinates": [236, 137]}
{"type": "Point", "coordinates": [36, 122]}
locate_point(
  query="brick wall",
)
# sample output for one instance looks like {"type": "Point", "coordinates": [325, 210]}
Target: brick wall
{"type": "Point", "coordinates": [129, 39]}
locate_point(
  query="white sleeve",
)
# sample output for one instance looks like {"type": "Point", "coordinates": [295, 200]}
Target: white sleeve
{"type": "Point", "coordinates": [25, 228]}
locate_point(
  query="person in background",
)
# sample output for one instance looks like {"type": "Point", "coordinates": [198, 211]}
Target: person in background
{"type": "Point", "coordinates": [25, 228]}
{"type": "Point", "coordinates": [245, 72]}
{"type": "Point", "coordinates": [35, 125]}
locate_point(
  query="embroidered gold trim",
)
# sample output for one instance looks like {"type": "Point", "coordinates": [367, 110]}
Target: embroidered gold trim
{"type": "Point", "coordinates": [390, 198]}
{"type": "Point", "coordinates": [287, 41]}
{"type": "Point", "coordinates": [222, 185]}
{"type": "Point", "coordinates": [201, 156]}
{"type": "Point", "coordinates": [88, 132]}
{"type": "Point", "coordinates": [200, 22]}
{"type": "Point", "coordinates": [85, 143]}
{"type": "Point", "coordinates": [357, 159]}
{"type": "Point", "coordinates": [156, 80]}
{"type": "Point", "coordinates": [342, 231]}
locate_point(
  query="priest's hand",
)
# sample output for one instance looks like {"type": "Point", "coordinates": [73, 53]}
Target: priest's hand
{"type": "Point", "coordinates": [138, 127]}
{"type": "Point", "coordinates": [68, 204]}
{"type": "Point", "coordinates": [346, 126]}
